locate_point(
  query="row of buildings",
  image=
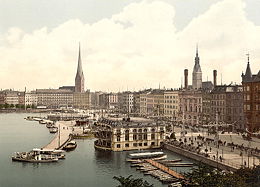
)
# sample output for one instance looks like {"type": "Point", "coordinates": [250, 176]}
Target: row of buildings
{"type": "Point", "coordinates": [198, 103]}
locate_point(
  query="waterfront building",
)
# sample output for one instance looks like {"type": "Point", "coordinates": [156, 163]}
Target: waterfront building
{"type": "Point", "coordinates": [227, 101]}
{"type": "Point", "coordinates": [31, 98]}
{"type": "Point", "coordinates": [54, 98]}
{"type": "Point", "coordinates": [81, 100]}
{"type": "Point", "coordinates": [171, 104]}
{"type": "Point", "coordinates": [118, 134]}
{"type": "Point", "coordinates": [251, 93]}
{"type": "Point", "coordinates": [79, 79]}
{"type": "Point", "coordinates": [10, 97]}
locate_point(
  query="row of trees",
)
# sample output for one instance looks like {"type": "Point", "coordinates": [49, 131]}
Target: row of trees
{"type": "Point", "coordinates": [17, 106]}
{"type": "Point", "coordinates": [205, 176]}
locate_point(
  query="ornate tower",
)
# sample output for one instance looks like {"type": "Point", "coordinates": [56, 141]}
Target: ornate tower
{"type": "Point", "coordinates": [197, 74]}
{"type": "Point", "coordinates": [79, 79]}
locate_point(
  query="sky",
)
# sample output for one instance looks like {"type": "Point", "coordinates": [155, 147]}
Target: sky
{"type": "Point", "coordinates": [125, 44]}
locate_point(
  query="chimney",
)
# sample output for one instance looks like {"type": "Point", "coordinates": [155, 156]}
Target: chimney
{"type": "Point", "coordinates": [186, 78]}
{"type": "Point", "coordinates": [215, 77]}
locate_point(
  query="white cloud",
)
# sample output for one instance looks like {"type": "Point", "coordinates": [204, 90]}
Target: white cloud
{"type": "Point", "coordinates": [136, 48]}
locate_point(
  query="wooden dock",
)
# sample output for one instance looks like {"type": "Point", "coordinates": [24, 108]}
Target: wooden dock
{"type": "Point", "coordinates": [165, 169]}
{"type": "Point", "coordinates": [62, 137]}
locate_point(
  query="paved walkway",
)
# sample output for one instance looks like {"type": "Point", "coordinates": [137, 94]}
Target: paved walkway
{"type": "Point", "coordinates": [233, 157]}
{"type": "Point", "coordinates": [60, 138]}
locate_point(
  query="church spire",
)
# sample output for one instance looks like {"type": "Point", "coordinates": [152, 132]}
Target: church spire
{"type": "Point", "coordinates": [248, 74]}
{"type": "Point", "coordinates": [197, 59]}
{"type": "Point", "coordinates": [197, 53]}
{"type": "Point", "coordinates": [79, 79]}
{"type": "Point", "coordinates": [79, 70]}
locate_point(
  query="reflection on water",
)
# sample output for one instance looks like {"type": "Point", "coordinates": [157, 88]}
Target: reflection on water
{"type": "Point", "coordinates": [84, 166]}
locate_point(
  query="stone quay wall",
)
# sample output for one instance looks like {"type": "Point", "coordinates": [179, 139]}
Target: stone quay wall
{"type": "Point", "coordinates": [200, 158]}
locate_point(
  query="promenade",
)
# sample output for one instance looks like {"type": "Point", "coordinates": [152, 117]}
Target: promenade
{"type": "Point", "coordinates": [232, 155]}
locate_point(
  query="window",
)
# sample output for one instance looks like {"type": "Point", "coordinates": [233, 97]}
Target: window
{"type": "Point", "coordinates": [127, 137]}
{"type": "Point", "coordinates": [140, 137]}
{"type": "Point", "coordinates": [127, 145]}
{"type": "Point", "coordinates": [152, 136]}
{"type": "Point", "coordinates": [145, 136]}
{"type": "Point", "coordinates": [118, 146]}
{"type": "Point", "coordinates": [134, 137]}
{"type": "Point", "coordinates": [153, 144]}
{"type": "Point", "coordinates": [145, 144]}
{"type": "Point", "coordinates": [135, 144]}
{"type": "Point", "coordinates": [118, 138]}
{"type": "Point", "coordinates": [140, 144]}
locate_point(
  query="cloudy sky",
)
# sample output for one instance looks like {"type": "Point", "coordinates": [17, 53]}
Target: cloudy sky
{"type": "Point", "coordinates": [132, 44]}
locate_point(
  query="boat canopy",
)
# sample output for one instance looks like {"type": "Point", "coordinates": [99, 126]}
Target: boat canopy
{"type": "Point", "coordinates": [146, 154]}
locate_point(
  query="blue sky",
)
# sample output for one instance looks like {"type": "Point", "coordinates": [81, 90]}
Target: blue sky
{"type": "Point", "coordinates": [128, 43]}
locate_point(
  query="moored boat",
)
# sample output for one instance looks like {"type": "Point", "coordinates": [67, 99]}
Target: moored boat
{"type": "Point", "coordinates": [70, 146]}
{"type": "Point", "coordinates": [148, 155]}
{"type": "Point", "coordinates": [53, 152]}
{"type": "Point", "coordinates": [34, 156]}
{"type": "Point", "coordinates": [53, 129]}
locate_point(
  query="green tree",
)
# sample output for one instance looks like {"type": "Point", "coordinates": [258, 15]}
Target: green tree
{"type": "Point", "coordinates": [2, 106]}
{"type": "Point", "coordinates": [6, 105]}
{"type": "Point", "coordinates": [131, 182]}
{"type": "Point", "coordinates": [17, 106]}
{"type": "Point", "coordinates": [11, 105]}
{"type": "Point", "coordinates": [33, 106]}
{"type": "Point", "coordinates": [205, 176]}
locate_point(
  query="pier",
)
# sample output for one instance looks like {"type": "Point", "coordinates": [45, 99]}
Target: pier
{"type": "Point", "coordinates": [164, 169]}
{"type": "Point", "coordinates": [62, 137]}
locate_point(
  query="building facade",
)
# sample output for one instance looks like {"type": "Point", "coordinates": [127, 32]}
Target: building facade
{"type": "Point", "coordinates": [54, 98]}
{"type": "Point", "coordinates": [190, 104]}
{"type": "Point", "coordinates": [227, 102]}
{"type": "Point", "coordinates": [31, 98]}
{"type": "Point", "coordinates": [155, 103]}
{"type": "Point", "coordinates": [81, 100]}
{"type": "Point", "coordinates": [251, 94]}
{"type": "Point", "coordinates": [119, 135]}
{"type": "Point", "coordinates": [171, 104]}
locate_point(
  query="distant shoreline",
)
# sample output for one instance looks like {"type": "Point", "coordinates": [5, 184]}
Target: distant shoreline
{"type": "Point", "coordinates": [25, 111]}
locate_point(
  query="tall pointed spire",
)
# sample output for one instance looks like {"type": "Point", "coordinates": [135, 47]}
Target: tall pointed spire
{"type": "Point", "coordinates": [79, 79]}
{"type": "Point", "coordinates": [197, 73]}
{"type": "Point", "coordinates": [79, 70]}
{"type": "Point", "coordinates": [197, 53]}
{"type": "Point", "coordinates": [248, 74]}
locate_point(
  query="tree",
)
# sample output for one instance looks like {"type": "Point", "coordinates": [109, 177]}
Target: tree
{"type": "Point", "coordinates": [6, 105]}
{"type": "Point", "coordinates": [33, 106]}
{"type": "Point", "coordinates": [206, 176]}
{"type": "Point", "coordinates": [1, 106]}
{"type": "Point", "coordinates": [131, 182]}
{"type": "Point", "coordinates": [11, 105]}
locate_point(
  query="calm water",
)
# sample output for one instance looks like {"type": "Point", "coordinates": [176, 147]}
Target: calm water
{"type": "Point", "coordinates": [83, 167]}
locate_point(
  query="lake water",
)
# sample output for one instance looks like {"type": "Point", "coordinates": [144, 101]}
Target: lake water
{"type": "Point", "coordinates": [84, 166]}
